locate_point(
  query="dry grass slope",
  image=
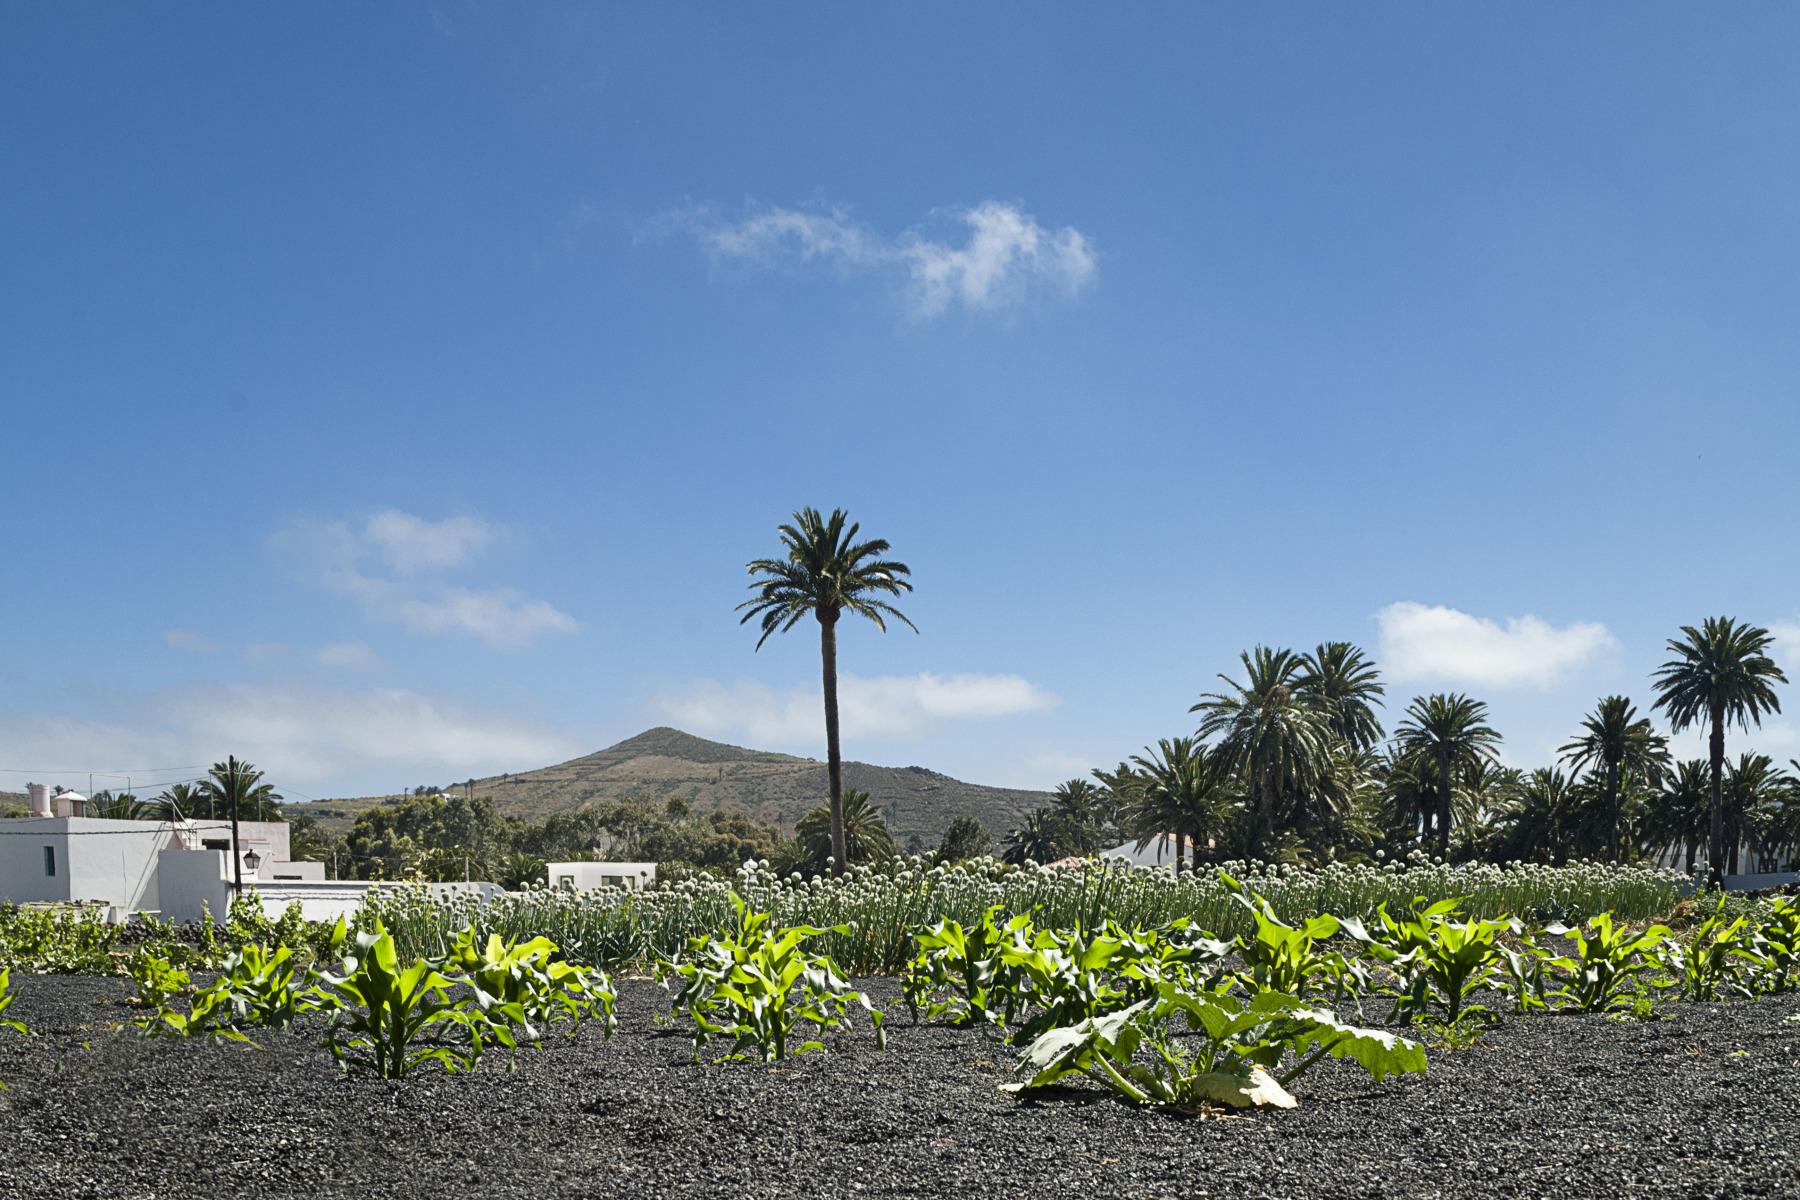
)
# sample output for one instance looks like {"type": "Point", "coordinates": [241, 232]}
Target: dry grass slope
{"type": "Point", "coordinates": [779, 788]}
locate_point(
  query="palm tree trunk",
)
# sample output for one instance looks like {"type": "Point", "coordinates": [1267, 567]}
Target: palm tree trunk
{"type": "Point", "coordinates": [1715, 850]}
{"type": "Point", "coordinates": [1443, 806]}
{"type": "Point", "coordinates": [834, 758]}
{"type": "Point", "coordinates": [1693, 847]}
{"type": "Point", "coordinates": [1178, 853]}
{"type": "Point", "coordinates": [1612, 809]}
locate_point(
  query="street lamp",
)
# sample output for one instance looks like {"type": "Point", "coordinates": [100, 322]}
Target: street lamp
{"type": "Point", "coordinates": [253, 860]}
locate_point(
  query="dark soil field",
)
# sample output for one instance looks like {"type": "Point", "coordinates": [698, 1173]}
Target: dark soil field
{"type": "Point", "coordinates": [1702, 1104]}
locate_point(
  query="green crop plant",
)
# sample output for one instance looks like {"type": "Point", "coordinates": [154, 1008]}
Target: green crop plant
{"type": "Point", "coordinates": [1522, 972]}
{"type": "Point", "coordinates": [266, 989]}
{"type": "Point", "coordinates": [530, 978]}
{"type": "Point", "coordinates": [7, 996]}
{"type": "Point", "coordinates": [957, 974]}
{"type": "Point", "coordinates": [391, 1019]}
{"type": "Point", "coordinates": [57, 941]}
{"type": "Point", "coordinates": [1603, 972]}
{"type": "Point", "coordinates": [1288, 959]}
{"type": "Point", "coordinates": [1239, 1054]}
{"type": "Point", "coordinates": [872, 911]}
{"type": "Point", "coordinates": [755, 982]}
{"type": "Point", "coordinates": [1774, 950]}
{"type": "Point", "coordinates": [1707, 963]}
{"type": "Point", "coordinates": [1437, 960]}
{"type": "Point", "coordinates": [158, 980]}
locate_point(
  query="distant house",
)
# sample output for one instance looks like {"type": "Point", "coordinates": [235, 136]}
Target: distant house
{"type": "Point", "coordinates": [176, 868]}
{"type": "Point", "coordinates": [1159, 851]}
{"type": "Point", "coordinates": [586, 876]}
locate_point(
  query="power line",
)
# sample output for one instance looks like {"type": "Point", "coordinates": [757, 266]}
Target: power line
{"type": "Point", "coordinates": [90, 771]}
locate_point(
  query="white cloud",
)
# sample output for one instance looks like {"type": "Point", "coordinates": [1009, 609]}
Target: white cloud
{"type": "Point", "coordinates": [306, 739]}
{"type": "Point", "coordinates": [1786, 650]}
{"type": "Point", "coordinates": [1006, 258]}
{"type": "Point", "coordinates": [193, 643]}
{"type": "Point", "coordinates": [881, 705]}
{"type": "Point", "coordinates": [347, 654]}
{"type": "Point", "coordinates": [1420, 641]}
{"type": "Point", "coordinates": [392, 564]}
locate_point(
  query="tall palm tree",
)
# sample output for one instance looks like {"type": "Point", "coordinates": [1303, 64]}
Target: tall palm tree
{"type": "Point", "coordinates": [1679, 813]}
{"type": "Point", "coordinates": [1537, 818]}
{"type": "Point", "coordinates": [1756, 791]}
{"type": "Point", "coordinates": [1452, 731]}
{"type": "Point", "coordinates": [1277, 734]}
{"type": "Point", "coordinates": [1187, 791]}
{"type": "Point", "coordinates": [1341, 676]}
{"type": "Point", "coordinates": [1080, 806]}
{"type": "Point", "coordinates": [1037, 839]}
{"type": "Point", "coordinates": [826, 572]}
{"type": "Point", "coordinates": [233, 786]}
{"type": "Point", "coordinates": [865, 836]}
{"type": "Point", "coordinates": [180, 800]}
{"type": "Point", "coordinates": [1616, 739]}
{"type": "Point", "coordinates": [1721, 673]}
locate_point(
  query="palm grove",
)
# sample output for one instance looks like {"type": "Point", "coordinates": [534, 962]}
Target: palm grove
{"type": "Point", "coordinates": [1290, 761]}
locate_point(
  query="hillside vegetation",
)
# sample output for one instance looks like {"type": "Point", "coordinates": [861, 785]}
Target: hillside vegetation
{"type": "Point", "coordinates": [775, 788]}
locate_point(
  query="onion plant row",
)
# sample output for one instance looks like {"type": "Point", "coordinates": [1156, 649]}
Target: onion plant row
{"type": "Point", "coordinates": [871, 912]}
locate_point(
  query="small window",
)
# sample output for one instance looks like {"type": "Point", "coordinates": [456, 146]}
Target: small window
{"type": "Point", "coordinates": [49, 860]}
{"type": "Point", "coordinates": [215, 843]}
{"type": "Point", "coordinates": [567, 881]}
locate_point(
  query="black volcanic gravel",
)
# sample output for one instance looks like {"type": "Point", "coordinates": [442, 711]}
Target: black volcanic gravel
{"type": "Point", "coordinates": [1703, 1104]}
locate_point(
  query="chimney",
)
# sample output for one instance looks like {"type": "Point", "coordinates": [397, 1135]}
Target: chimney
{"type": "Point", "coordinates": [40, 798]}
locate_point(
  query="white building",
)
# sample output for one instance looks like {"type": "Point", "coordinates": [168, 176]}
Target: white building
{"type": "Point", "coordinates": [585, 876]}
{"type": "Point", "coordinates": [172, 868]}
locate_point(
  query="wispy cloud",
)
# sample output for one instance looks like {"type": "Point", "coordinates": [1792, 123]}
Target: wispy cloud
{"type": "Point", "coordinates": [193, 643]}
{"type": "Point", "coordinates": [305, 738]}
{"type": "Point", "coordinates": [1003, 259]}
{"type": "Point", "coordinates": [392, 562]}
{"type": "Point", "coordinates": [1433, 642]}
{"type": "Point", "coordinates": [880, 705]}
{"type": "Point", "coordinates": [346, 654]}
{"type": "Point", "coordinates": [1786, 650]}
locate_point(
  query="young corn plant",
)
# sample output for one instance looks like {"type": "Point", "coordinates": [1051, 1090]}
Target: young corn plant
{"type": "Point", "coordinates": [957, 975]}
{"type": "Point", "coordinates": [1709, 963]}
{"type": "Point", "coordinates": [1522, 972]}
{"type": "Point", "coordinates": [1240, 1054]}
{"type": "Point", "coordinates": [391, 1019]}
{"type": "Point", "coordinates": [1437, 961]}
{"type": "Point", "coordinates": [1603, 972]}
{"type": "Point", "coordinates": [7, 996]}
{"type": "Point", "coordinates": [757, 984]}
{"type": "Point", "coordinates": [1774, 950]}
{"type": "Point", "coordinates": [1063, 976]}
{"type": "Point", "coordinates": [1287, 959]}
{"type": "Point", "coordinates": [531, 980]}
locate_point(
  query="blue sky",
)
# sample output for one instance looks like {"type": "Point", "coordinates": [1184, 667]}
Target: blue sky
{"type": "Point", "coordinates": [396, 392]}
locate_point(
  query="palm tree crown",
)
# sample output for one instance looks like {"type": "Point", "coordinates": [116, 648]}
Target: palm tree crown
{"type": "Point", "coordinates": [1185, 790]}
{"type": "Point", "coordinates": [826, 572]}
{"type": "Point", "coordinates": [1349, 687]}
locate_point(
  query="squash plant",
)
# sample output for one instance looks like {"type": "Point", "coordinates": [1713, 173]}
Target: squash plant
{"type": "Point", "coordinates": [757, 984]}
{"type": "Point", "coordinates": [1238, 1055]}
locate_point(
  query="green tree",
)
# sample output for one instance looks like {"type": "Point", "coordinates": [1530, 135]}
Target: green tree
{"type": "Point", "coordinates": [826, 572]}
{"type": "Point", "coordinates": [1615, 739]}
{"type": "Point", "coordinates": [1277, 734]}
{"type": "Point", "coordinates": [865, 836]}
{"type": "Point", "coordinates": [1721, 674]}
{"type": "Point", "coordinates": [1038, 838]}
{"type": "Point", "coordinates": [1451, 732]}
{"type": "Point", "coordinates": [1184, 790]}
{"type": "Point", "coordinates": [1535, 824]}
{"type": "Point", "coordinates": [1343, 680]}
{"type": "Point", "coordinates": [1679, 814]}
{"type": "Point", "coordinates": [966, 838]}
{"type": "Point", "coordinates": [1080, 807]}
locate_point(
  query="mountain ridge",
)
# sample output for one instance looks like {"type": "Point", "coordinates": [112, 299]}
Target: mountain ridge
{"type": "Point", "coordinates": [664, 762]}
